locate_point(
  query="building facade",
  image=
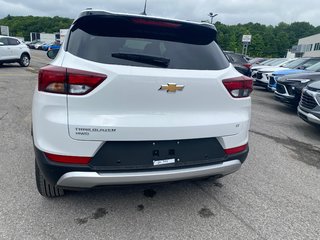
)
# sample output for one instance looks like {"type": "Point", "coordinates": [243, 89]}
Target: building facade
{"type": "Point", "coordinates": [308, 47]}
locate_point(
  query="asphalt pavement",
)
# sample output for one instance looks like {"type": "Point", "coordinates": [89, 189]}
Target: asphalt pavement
{"type": "Point", "coordinates": [276, 194]}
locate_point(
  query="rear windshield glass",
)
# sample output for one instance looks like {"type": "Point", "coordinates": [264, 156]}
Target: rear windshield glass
{"type": "Point", "coordinates": [268, 62]}
{"type": "Point", "coordinates": [277, 62]}
{"type": "Point", "coordinates": [315, 67]}
{"type": "Point", "coordinates": [140, 42]}
{"type": "Point", "coordinates": [295, 63]}
{"type": "Point", "coordinates": [311, 62]}
{"type": "Point", "coordinates": [236, 58]}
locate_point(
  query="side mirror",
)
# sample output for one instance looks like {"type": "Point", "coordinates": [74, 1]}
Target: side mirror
{"type": "Point", "coordinates": [1, 44]}
{"type": "Point", "coordinates": [52, 53]}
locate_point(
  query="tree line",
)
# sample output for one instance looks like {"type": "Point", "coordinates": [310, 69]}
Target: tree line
{"type": "Point", "coordinates": [267, 40]}
{"type": "Point", "coordinates": [22, 26]}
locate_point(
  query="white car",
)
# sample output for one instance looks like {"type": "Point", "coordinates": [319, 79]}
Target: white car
{"type": "Point", "coordinates": [38, 45]}
{"type": "Point", "coordinates": [13, 50]}
{"type": "Point", "coordinates": [262, 77]}
{"type": "Point", "coordinates": [277, 64]}
{"type": "Point", "coordinates": [132, 99]}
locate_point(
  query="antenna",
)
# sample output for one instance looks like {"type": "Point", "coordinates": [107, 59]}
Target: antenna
{"type": "Point", "coordinates": [145, 8]}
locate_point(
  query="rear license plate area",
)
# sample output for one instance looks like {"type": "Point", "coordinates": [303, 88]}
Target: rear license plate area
{"type": "Point", "coordinates": [130, 155]}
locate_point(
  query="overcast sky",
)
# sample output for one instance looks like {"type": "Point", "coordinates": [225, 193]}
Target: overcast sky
{"type": "Point", "coordinates": [230, 11]}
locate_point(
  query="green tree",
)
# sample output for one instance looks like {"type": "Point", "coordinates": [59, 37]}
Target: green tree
{"type": "Point", "coordinates": [22, 26]}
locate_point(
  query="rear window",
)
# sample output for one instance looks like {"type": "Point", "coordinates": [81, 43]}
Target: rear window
{"type": "Point", "coordinates": [182, 45]}
{"type": "Point", "coordinates": [295, 63]}
{"type": "Point", "coordinates": [277, 62]}
{"type": "Point", "coordinates": [315, 67]}
{"type": "Point", "coordinates": [311, 62]}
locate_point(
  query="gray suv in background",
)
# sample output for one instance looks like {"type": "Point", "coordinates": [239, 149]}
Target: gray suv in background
{"type": "Point", "coordinates": [309, 107]}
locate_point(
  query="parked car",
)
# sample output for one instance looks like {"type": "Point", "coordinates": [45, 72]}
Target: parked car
{"type": "Point", "coordinates": [256, 61]}
{"type": "Point", "coordinates": [309, 107]}
{"type": "Point", "coordinates": [265, 63]}
{"type": "Point", "coordinates": [55, 45]}
{"type": "Point", "coordinates": [38, 45]}
{"type": "Point", "coordinates": [49, 46]}
{"type": "Point", "coordinates": [119, 105]}
{"type": "Point", "coordinates": [277, 62]}
{"type": "Point", "coordinates": [289, 88]}
{"type": "Point", "coordinates": [46, 46]}
{"type": "Point", "coordinates": [240, 62]}
{"type": "Point", "coordinates": [261, 78]}
{"type": "Point", "coordinates": [32, 44]}
{"type": "Point", "coordinates": [13, 50]}
{"type": "Point", "coordinates": [298, 66]}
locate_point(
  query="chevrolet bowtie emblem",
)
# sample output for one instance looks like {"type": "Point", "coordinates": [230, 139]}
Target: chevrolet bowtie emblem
{"type": "Point", "coordinates": [172, 87]}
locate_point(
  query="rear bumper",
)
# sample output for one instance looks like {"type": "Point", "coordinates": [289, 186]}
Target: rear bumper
{"type": "Point", "coordinates": [86, 176]}
{"type": "Point", "coordinates": [94, 179]}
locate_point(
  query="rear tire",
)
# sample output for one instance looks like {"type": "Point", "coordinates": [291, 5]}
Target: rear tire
{"type": "Point", "coordinates": [24, 60]}
{"type": "Point", "coordinates": [44, 187]}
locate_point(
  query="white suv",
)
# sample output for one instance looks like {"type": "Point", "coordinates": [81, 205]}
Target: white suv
{"type": "Point", "coordinates": [133, 99]}
{"type": "Point", "coordinates": [13, 50]}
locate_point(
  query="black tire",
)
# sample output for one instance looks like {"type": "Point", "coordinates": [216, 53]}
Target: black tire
{"type": "Point", "coordinates": [44, 188]}
{"type": "Point", "coordinates": [24, 60]}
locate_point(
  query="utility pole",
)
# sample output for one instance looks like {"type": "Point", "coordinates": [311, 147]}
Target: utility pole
{"type": "Point", "coordinates": [211, 15]}
{"type": "Point", "coordinates": [145, 8]}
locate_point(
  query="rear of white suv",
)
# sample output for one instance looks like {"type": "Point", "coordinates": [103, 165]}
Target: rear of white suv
{"type": "Point", "coordinates": [134, 99]}
{"type": "Point", "coordinates": [13, 50]}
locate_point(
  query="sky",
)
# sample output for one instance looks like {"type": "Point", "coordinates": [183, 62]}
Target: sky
{"type": "Point", "coordinates": [269, 12]}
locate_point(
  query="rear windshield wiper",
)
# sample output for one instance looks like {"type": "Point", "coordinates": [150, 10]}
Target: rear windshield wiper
{"type": "Point", "coordinates": [157, 61]}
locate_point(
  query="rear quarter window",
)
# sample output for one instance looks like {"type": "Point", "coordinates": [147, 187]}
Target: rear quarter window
{"type": "Point", "coordinates": [187, 46]}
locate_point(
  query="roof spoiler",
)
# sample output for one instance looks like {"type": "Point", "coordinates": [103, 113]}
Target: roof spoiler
{"type": "Point", "coordinates": [92, 12]}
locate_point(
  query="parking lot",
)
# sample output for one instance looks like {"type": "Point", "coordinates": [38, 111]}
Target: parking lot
{"type": "Point", "coordinates": [276, 194]}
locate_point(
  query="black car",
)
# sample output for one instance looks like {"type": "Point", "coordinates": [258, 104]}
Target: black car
{"type": "Point", "coordinates": [240, 62]}
{"type": "Point", "coordinates": [289, 88]}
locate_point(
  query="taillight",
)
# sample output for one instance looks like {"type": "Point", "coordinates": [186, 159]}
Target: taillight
{"type": "Point", "coordinates": [61, 80]}
{"type": "Point", "coordinates": [52, 79]}
{"type": "Point", "coordinates": [82, 82]}
{"type": "Point", "coordinates": [239, 87]}
{"type": "Point", "coordinates": [247, 65]}
{"type": "Point", "coordinates": [236, 150]}
{"type": "Point", "coordinates": [68, 159]}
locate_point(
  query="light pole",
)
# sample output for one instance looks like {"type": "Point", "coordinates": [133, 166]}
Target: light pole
{"type": "Point", "coordinates": [211, 15]}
